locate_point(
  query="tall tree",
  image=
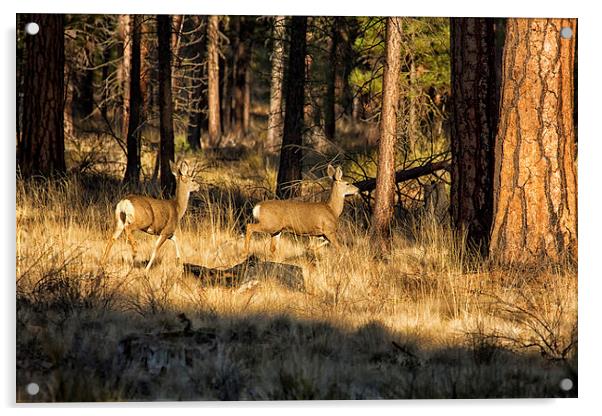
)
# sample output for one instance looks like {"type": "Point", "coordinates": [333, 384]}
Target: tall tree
{"type": "Point", "coordinates": [168, 183]}
{"type": "Point", "coordinates": [241, 77]}
{"type": "Point", "coordinates": [124, 73]}
{"type": "Point", "coordinates": [382, 213]}
{"type": "Point", "coordinates": [474, 117]}
{"type": "Point", "coordinates": [213, 80]}
{"type": "Point", "coordinates": [197, 116]}
{"type": "Point", "coordinates": [535, 181]}
{"type": "Point", "coordinates": [42, 147]}
{"type": "Point", "coordinates": [132, 170]}
{"type": "Point", "coordinates": [289, 171]}
{"type": "Point", "coordinates": [329, 98]}
{"type": "Point", "coordinates": [277, 76]}
{"type": "Point", "coordinates": [349, 33]}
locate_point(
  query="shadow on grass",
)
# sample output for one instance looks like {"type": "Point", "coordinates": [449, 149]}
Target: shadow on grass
{"type": "Point", "coordinates": [111, 355]}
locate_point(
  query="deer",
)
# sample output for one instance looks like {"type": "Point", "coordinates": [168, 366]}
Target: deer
{"type": "Point", "coordinates": [160, 217]}
{"type": "Point", "coordinates": [318, 219]}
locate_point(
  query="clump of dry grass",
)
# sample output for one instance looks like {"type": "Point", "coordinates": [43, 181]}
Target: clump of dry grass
{"type": "Point", "coordinates": [428, 321]}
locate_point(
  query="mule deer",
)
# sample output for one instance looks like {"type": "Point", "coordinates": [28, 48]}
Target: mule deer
{"type": "Point", "coordinates": [302, 218]}
{"type": "Point", "coordinates": [154, 216]}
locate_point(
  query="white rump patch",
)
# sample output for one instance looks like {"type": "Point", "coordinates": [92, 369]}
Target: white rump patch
{"type": "Point", "coordinates": [256, 211]}
{"type": "Point", "coordinates": [126, 207]}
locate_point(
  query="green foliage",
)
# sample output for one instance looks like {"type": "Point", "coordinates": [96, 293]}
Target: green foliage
{"type": "Point", "coordinates": [425, 40]}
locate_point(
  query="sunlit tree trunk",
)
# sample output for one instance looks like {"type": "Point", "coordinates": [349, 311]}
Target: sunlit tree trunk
{"type": "Point", "coordinates": [277, 76]}
{"type": "Point", "coordinates": [385, 175]}
{"type": "Point", "coordinates": [42, 147]}
{"type": "Point", "coordinates": [168, 184]}
{"type": "Point", "coordinates": [124, 73]}
{"type": "Point", "coordinates": [535, 181]}
{"type": "Point", "coordinates": [289, 171]}
{"type": "Point", "coordinates": [474, 114]}
{"type": "Point", "coordinates": [214, 132]}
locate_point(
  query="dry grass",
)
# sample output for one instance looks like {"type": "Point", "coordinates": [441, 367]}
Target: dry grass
{"type": "Point", "coordinates": [427, 321]}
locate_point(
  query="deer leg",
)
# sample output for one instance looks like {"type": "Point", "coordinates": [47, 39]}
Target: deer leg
{"type": "Point", "coordinates": [250, 230]}
{"type": "Point", "coordinates": [115, 236]}
{"type": "Point", "coordinates": [130, 239]}
{"type": "Point", "coordinates": [175, 242]}
{"type": "Point", "coordinates": [274, 241]}
{"type": "Point", "coordinates": [158, 245]}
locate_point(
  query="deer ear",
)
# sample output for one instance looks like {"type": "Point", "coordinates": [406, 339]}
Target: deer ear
{"type": "Point", "coordinates": [338, 174]}
{"type": "Point", "coordinates": [174, 168]}
{"type": "Point", "coordinates": [184, 168]}
{"type": "Point", "coordinates": [330, 170]}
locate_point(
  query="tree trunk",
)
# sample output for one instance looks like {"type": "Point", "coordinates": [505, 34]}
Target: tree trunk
{"type": "Point", "coordinates": [68, 104]}
{"type": "Point", "coordinates": [277, 76]}
{"type": "Point", "coordinates": [412, 104]}
{"type": "Point", "coordinates": [145, 71]}
{"type": "Point", "coordinates": [213, 81]}
{"type": "Point", "coordinates": [177, 23]}
{"type": "Point", "coordinates": [385, 175]}
{"type": "Point", "coordinates": [42, 149]}
{"type": "Point", "coordinates": [106, 59]}
{"type": "Point", "coordinates": [242, 60]}
{"type": "Point", "coordinates": [289, 171]}
{"type": "Point", "coordinates": [329, 99]}
{"type": "Point", "coordinates": [348, 57]}
{"type": "Point", "coordinates": [474, 114]}
{"type": "Point", "coordinates": [225, 81]}
{"type": "Point", "coordinates": [535, 182]}
{"type": "Point", "coordinates": [168, 184]}
{"type": "Point", "coordinates": [197, 118]}
{"type": "Point", "coordinates": [124, 29]}
{"type": "Point", "coordinates": [246, 114]}
{"type": "Point", "coordinates": [132, 170]}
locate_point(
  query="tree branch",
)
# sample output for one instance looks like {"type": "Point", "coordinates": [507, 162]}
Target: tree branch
{"type": "Point", "coordinates": [405, 175]}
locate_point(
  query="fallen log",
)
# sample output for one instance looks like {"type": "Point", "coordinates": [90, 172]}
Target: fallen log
{"type": "Point", "coordinates": [252, 270]}
{"type": "Point", "coordinates": [406, 175]}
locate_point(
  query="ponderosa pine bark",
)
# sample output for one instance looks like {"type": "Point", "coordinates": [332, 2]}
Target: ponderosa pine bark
{"type": "Point", "coordinates": [535, 180]}
{"type": "Point", "coordinates": [277, 75]}
{"type": "Point", "coordinates": [382, 213]}
{"type": "Point", "coordinates": [42, 146]}
{"type": "Point", "coordinates": [474, 115]}
{"type": "Point", "coordinates": [214, 127]}
{"type": "Point", "coordinates": [167, 148]}
{"type": "Point", "coordinates": [289, 171]}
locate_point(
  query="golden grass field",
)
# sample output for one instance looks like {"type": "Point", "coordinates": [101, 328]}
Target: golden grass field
{"type": "Point", "coordinates": [430, 320]}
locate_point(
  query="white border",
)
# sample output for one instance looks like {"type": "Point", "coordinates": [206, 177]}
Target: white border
{"type": "Point", "coordinates": [590, 154]}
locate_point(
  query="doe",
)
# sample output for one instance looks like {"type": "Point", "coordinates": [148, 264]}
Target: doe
{"type": "Point", "coordinates": [159, 217]}
{"type": "Point", "coordinates": [318, 219]}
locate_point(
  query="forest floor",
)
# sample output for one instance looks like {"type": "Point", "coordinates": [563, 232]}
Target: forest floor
{"type": "Point", "coordinates": [428, 320]}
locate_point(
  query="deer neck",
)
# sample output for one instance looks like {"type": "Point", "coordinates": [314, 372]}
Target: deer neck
{"type": "Point", "coordinates": [336, 200]}
{"type": "Point", "coordinates": [181, 200]}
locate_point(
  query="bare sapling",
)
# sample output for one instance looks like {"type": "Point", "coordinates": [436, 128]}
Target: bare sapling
{"type": "Point", "coordinates": [318, 219]}
{"type": "Point", "coordinates": [160, 217]}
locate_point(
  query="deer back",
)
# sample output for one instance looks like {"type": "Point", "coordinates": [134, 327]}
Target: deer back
{"type": "Point", "coordinates": [309, 218]}
{"type": "Point", "coordinates": [154, 216]}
